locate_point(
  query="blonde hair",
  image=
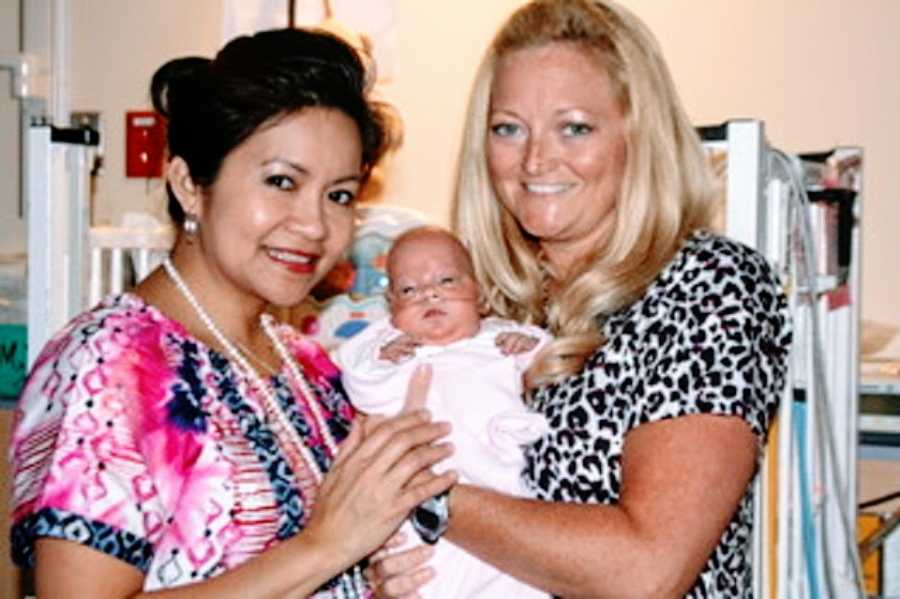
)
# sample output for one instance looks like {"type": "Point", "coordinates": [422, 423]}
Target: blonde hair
{"type": "Point", "coordinates": [665, 195]}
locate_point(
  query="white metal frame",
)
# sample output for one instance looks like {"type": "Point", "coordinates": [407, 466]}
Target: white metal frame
{"type": "Point", "coordinates": [756, 215]}
{"type": "Point", "coordinates": [744, 146]}
{"type": "Point", "coordinates": [111, 247]}
{"type": "Point", "coordinates": [57, 191]}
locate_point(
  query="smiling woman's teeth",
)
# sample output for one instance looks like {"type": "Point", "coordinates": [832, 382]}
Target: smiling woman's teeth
{"type": "Point", "coordinates": [547, 188]}
{"type": "Point", "coordinates": [289, 257]}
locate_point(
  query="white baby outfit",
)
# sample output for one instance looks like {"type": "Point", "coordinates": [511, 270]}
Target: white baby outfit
{"type": "Point", "coordinates": [479, 391]}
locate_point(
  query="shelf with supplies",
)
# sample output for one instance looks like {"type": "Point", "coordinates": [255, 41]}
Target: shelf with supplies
{"type": "Point", "coordinates": [879, 417]}
{"type": "Point", "coordinates": [879, 479]}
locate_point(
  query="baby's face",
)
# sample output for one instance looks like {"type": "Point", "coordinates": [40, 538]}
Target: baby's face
{"type": "Point", "coordinates": [433, 293]}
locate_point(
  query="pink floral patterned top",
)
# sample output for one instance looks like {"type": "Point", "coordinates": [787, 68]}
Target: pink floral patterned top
{"type": "Point", "coordinates": [135, 439]}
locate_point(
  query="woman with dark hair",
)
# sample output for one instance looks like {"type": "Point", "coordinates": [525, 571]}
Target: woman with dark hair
{"type": "Point", "coordinates": [177, 440]}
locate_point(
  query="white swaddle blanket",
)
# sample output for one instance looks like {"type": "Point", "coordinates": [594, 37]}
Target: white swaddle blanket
{"type": "Point", "coordinates": [479, 391]}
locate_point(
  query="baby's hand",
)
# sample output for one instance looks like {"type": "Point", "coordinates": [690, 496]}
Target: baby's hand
{"type": "Point", "coordinates": [401, 348]}
{"type": "Point", "coordinates": [511, 342]}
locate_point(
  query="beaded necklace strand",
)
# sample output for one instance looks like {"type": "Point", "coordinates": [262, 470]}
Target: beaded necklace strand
{"type": "Point", "coordinates": [349, 586]}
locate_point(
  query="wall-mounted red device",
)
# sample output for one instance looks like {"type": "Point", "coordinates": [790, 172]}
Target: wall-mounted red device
{"type": "Point", "coordinates": [145, 143]}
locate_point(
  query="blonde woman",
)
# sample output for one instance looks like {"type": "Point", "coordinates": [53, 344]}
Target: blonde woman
{"type": "Point", "coordinates": [671, 342]}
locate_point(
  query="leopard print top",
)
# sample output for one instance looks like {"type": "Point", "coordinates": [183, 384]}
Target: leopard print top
{"type": "Point", "coordinates": [710, 336]}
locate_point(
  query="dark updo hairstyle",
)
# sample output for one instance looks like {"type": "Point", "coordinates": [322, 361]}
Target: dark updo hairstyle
{"type": "Point", "coordinates": [212, 106]}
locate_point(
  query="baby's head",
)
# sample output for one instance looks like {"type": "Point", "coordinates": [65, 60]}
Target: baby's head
{"type": "Point", "coordinates": [432, 292]}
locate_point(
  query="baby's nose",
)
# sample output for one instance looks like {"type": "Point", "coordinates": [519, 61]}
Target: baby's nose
{"type": "Point", "coordinates": [431, 292]}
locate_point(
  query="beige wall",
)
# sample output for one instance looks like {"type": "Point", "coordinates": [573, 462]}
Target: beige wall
{"type": "Point", "coordinates": [820, 73]}
{"type": "Point", "coordinates": [116, 47]}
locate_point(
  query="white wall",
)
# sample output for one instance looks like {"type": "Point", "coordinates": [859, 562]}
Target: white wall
{"type": "Point", "coordinates": [820, 73]}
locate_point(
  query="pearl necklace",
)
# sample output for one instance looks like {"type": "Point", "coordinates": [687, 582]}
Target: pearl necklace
{"type": "Point", "coordinates": [246, 370]}
{"type": "Point", "coordinates": [351, 586]}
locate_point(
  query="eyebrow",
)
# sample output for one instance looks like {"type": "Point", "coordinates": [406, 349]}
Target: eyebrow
{"type": "Point", "coordinates": [508, 111]}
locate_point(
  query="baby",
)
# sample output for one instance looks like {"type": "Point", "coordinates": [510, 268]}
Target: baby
{"type": "Point", "coordinates": [477, 369]}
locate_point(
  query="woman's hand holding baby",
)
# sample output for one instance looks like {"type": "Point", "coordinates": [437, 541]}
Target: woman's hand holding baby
{"type": "Point", "coordinates": [382, 472]}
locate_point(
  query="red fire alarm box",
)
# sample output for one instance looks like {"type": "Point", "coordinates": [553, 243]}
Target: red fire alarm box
{"type": "Point", "coordinates": [145, 143]}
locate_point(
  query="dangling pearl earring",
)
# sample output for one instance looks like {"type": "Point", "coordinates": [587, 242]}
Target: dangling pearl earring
{"type": "Point", "coordinates": [190, 226]}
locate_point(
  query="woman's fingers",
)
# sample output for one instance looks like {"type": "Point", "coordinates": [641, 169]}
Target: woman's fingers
{"type": "Point", "coordinates": [414, 467]}
{"type": "Point", "coordinates": [407, 473]}
{"type": "Point", "coordinates": [369, 422]}
{"type": "Point", "coordinates": [396, 540]}
{"type": "Point", "coordinates": [400, 575]}
{"type": "Point", "coordinates": [381, 473]}
{"type": "Point", "coordinates": [351, 442]}
{"type": "Point", "coordinates": [379, 429]}
{"type": "Point", "coordinates": [404, 445]}
{"type": "Point", "coordinates": [391, 456]}
{"type": "Point", "coordinates": [414, 495]}
{"type": "Point", "coordinates": [389, 441]}
{"type": "Point", "coordinates": [410, 452]}
{"type": "Point", "coordinates": [417, 390]}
